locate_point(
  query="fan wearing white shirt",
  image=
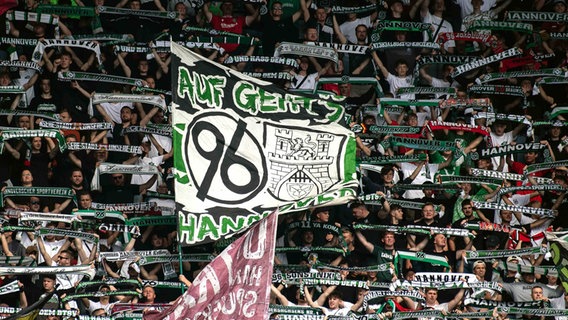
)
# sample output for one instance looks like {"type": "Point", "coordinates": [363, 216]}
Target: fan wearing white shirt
{"type": "Point", "coordinates": [337, 307]}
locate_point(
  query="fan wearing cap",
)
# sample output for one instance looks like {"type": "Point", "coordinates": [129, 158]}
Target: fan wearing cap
{"type": "Point", "coordinates": [228, 21]}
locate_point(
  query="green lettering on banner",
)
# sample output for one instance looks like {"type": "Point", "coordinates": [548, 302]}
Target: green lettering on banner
{"type": "Point", "coordinates": [200, 88]}
{"type": "Point", "coordinates": [207, 227]}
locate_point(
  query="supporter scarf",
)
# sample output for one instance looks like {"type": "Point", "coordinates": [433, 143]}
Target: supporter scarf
{"type": "Point", "coordinates": [19, 41]}
{"type": "Point", "coordinates": [501, 25]}
{"type": "Point", "coordinates": [130, 255]}
{"type": "Point", "coordinates": [39, 114]}
{"type": "Point", "coordinates": [150, 90]}
{"type": "Point", "coordinates": [15, 260]}
{"type": "Point", "coordinates": [99, 294]}
{"type": "Point", "coordinates": [262, 59]}
{"type": "Point", "coordinates": [40, 216]}
{"type": "Point", "coordinates": [99, 214]}
{"type": "Point", "coordinates": [382, 160]}
{"type": "Point", "coordinates": [343, 47]}
{"type": "Point", "coordinates": [270, 75]}
{"type": "Point", "coordinates": [441, 125]}
{"type": "Point", "coordinates": [66, 10]}
{"type": "Point", "coordinates": [502, 116]}
{"type": "Point", "coordinates": [439, 187]}
{"type": "Point", "coordinates": [374, 294]}
{"type": "Point", "coordinates": [126, 208]}
{"type": "Point", "coordinates": [491, 254]}
{"type": "Point", "coordinates": [375, 199]}
{"type": "Point", "coordinates": [97, 77]}
{"type": "Point", "coordinates": [506, 175]}
{"type": "Point", "coordinates": [558, 111]}
{"type": "Point", "coordinates": [396, 25]}
{"type": "Point", "coordinates": [549, 213]}
{"type": "Point", "coordinates": [314, 225]}
{"type": "Point", "coordinates": [441, 59]}
{"type": "Point", "coordinates": [379, 267]}
{"type": "Point", "coordinates": [330, 282]}
{"type": "Point", "coordinates": [359, 9]}
{"type": "Point", "coordinates": [109, 168]}
{"type": "Point", "coordinates": [32, 17]}
{"type": "Point", "coordinates": [103, 37]}
{"type": "Point", "coordinates": [123, 148]}
{"type": "Point", "coordinates": [156, 220]}
{"type": "Point", "coordinates": [295, 277]}
{"type": "Point", "coordinates": [563, 143]}
{"type": "Point", "coordinates": [481, 303]}
{"type": "Point", "coordinates": [162, 131]}
{"type": "Point", "coordinates": [131, 49]}
{"type": "Point", "coordinates": [476, 104]}
{"type": "Point", "coordinates": [418, 314]}
{"type": "Point", "coordinates": [46, 43]}
{"type": "Point", "coordinates": [412, 229]}
{"type": "Point", "coordinates": [306, 50]}
{"type": "Point", "coordinates": [445, 285]}
{"type": "Point", "coordinates": [154, 194]}
{"type": "Point", "coordinates": [9, 288]}
{"type": "Point", "coordinates": [140, 13]}
{"type": "Point", "coordinates": [523, 61]}
{"type": "Point", "coordinates": [163, 284]}
{"type": "Point", "coordinates": [112, 227]}
{"type": "Point", "coordinates": [392, 129]}
{"type": "Point", "coordinates": [12, 89]}
{"type": "Point", "coordinates": [544, 310]}
{"type": "Point", "coordinates": [485, 61]}
{"type": "Point", "coordinates": [509, 149]}
{"type": "Point", "coordinates": [110, 281]}
{"type": "Point", "coordinates": [203, 45]}
{"type": "Point", "coordinates": [536, 16]}
{"type": "Point", "coordinates": [163, 258]}
{"type": "Point", "coordinates": [558, 35]}
{"type": "Point", "coordinates": [21, 64]}
{"type": "Point", "coordinates": [443, 37]}
{"type": "Point", "coordinates": [390, 45]}
{"type": "Point", "coordinates": [551, 80]}
{"type": "Point", "coordinates": [422, 257]}
{"type": "Point", "coordinates": [550, 72]}
{"type": "Point", "coordinates": [210, 31]}
{"type": "Point", "coordinates": [426, 90]}
{"type": "Point", "coordinates": [451, 179]}
{"type": "Point", "coordinates": [281, 310]}
{"type": "Point", "coordinates": [119, 97]}
{"type": "Point", "coordinates": [76, 126]}
{"type": "Point", "coordinates": [555, 123]}
{"type": "Point", "coordinates": [542, 270]}
{"type": "Point", "coordinates": [311, 249]}
{"type": "Point", "coordinates": [68, 233]}
{"type": "Point", "coordinates": [540, 187]}
{"type": "Point", "coordinates": [15, 270]}
{"type": "Point", "coordinates": [119, 308]}
{"type": "Point", "coordinates": [44, 312]}
{"type": "Point", "coordinates": [445, 277]}
{"type": "Point", "coordinates": [423, 144]}
{"type": "Point", "coordinates": [53, 192]}
{"type": "Point", "coordinates": [411, 102]}
{"type": "Point", "coordinates": [292, 267]}
{"type": "Point", "coordinates": [497, 90]}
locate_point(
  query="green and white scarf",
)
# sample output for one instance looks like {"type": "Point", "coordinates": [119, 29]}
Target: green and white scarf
{"type": "Point", "coordinates": [109, 168]}
{"type": "Point", "coordinates": [501, 25]}
{"type": "Point", "coordinates": [545, 72]}
{"type": "Point", "coordinates": [451, 179]}
{"type": "Point", "coordinates": [130, 255]}
{"type": "Point", "coordinates": [15, 260]}
{"type": "Point", "coordinates": [165, 131]}
{"type": "Point", "coordinates": [379, 267]}
{"type": "Point", "coordinates": [510, 149]}
{"type": "Point", "coordinates": [382, 160]}
{"type": "Point", "coordinates": [140, 13]}
{"type": "Point", "coordinates": [536, 16]}
{"type": "Point", "coordinates": [127, 208]}
{"type": "Point", "coordinates": [290, 48]}
{"type": "Point", "coordinates": [61, 10]}
{"type": "Point", "coordinates": [163, 284]}
{"type": "Point", "coordinates": [281, 310]}
{"type": "Point", "coordinates": [43, 312]}
{"type": "Point", "coordinates": [491, 254]}
{"type": "Point", "coordinates": [270, 75]}
{"type": "Point", "coordinates": [342, 47]}
{"type": "Point", "coordinates": [9, 288]}
{"type": "Point", "coordinates": [39, 114]}
{"type": "Point", "coordinates": [515, 91]}
{"type": "Point", "coordinates": [157, 101]}
{"type": "Point", "coordinates": [426, 90]}
{"type": "Point", "coordinates": [513, 52]}
{"type": "Point", "coordinates": [543, 212]}
{"type": "Point", "coordinates": [163, 258]}
{"type": "Point", "coordinates": [123, 148]}
{"type": "Point", "coordinates": [103, 37]}
{"type": "Point", "coordinates": [481, 303]}
{"type": "Point", "coordinates": [360, 9]}
{"type": "Point", "coordinates": [32, 17]}
{"type": "Point", "coordinates": [99, 214]}
{"type": "Point", "coordinates": [295, 277]}
{"type": "Point", "coordinates": [155, 220]}
{"type": "Point", "coordinates": [21, 64]}
{"type": "Point", "coordinates": [540, 187]}
{"type": "Point", "coordinates": [406, 44]}
{"type": "Point", "coordinates": [66, 193]}
{"type": "Point", "coordinates": [19, 41]}
{"type": "Point", "coordinates": [41, 216]}
{"type": "Point", "coordinates": [15, 270]}
{"type": "Point", "coordinates": [422, 257]}
{"type": "Point", "coordinates": [68, 233]}
{"type": "Point", "coordinates": [43, 44]}
{"type": "Point", "coordinates": [542, 311]}
{"type": "Point", "coordinates": [262, 59]}
{"type": "Point", "coordinates": [424, 144]}
{"type": "Point", "coordinates": [537, 167]}
{"type": "Point", "coordinates": [506, 175]}
{"type": "Point", "coordinates": [542, 270]}
{"type": "Point", "coordinates": [75, 126]}
{"type": "Point", "coordinates": [476, 104]}
{"type": "Point", "coordinates": [44, 133]}
{"type": "Point", "coordinates": [97, 77]}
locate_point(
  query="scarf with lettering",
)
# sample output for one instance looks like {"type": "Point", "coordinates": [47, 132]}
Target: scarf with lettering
{"type": "Point", "coordinates": [140, 13]}
{"type": "Point", "coordinates": [53, 192]}
{"type": "Point", "coordinates": [75, 126]}
{"type": "Point", "coordinates": [109, 168]}
{"type": "Point", "coordinates": [485, 61]}
{"type": "Point", "coordinates": [491, 254]}
{"type": "Point", "coordinates": [9, 288]}
{"type": "Point", "coordinates": [270, 75]}
{"type": "Point", "coordinates": [382, 160]}
{"type": "Point", "coordinates": [481, 303]}
{"type": "Point", "coordinates": [46, 43]}
{"type": "Point", "coordinates": [155, 220]}
{"type": "Point", "coordinates": [21, 64]}
{"type": "Point", "coordinates": [123, 148]}
{"type": "Point", "coordinates": [163, 258]}
{"type": "Point", "coordinates": [15, 260]}
{"type": "Point", "coordinates": [343, 47]}
{"type": "Point", "coordinates": [414, 229]}
{"type": "Point", "coordinates": [98, 77]}
{"type": "Point", "coordinates": [501, 26]}
{"type": "Point", "coordinates": [505, 150]}
{"type": "Point", "coordinates": [15, 270]}
{"type": "Point", "coordinates": [451, 179]}
{"type": "Point", "coordinates": [165, 131]}
{"type": "Point", "coordinates": [67, 233]}
{"type": "Point", "coordinates": [130, 255]}
{"type": "Point", "coordinates": [19, 41]}
{"type": "Point", "coordinates": [449, 91]}
{"type": "Point", "coordinates": [39, 114]}
{"type": "Point", "coordinates": [506, 175]}
{"type": "Point", "coordinates": [156, 100]}
{"type": "Point", "coordinates": [485, 38]}
{"type": "Point", "coordinates": [406, 44]}
{"type": "Point", "coordinates": [543, 212]}
{"type": "Point", "coordinates": [521, 268]}
{"type": "Point", "coordinates": [262, 59]}
{"type": "Point", "coordinates": [476, 104]}
{"type": "Point", "coordinates": [502, 90]}
{"type": "Point", "coordinates": [41, 216]}
{"type": "Point", "coordinates": [549, 72]}
{"type": "Point", "coordinates": [290, 48]}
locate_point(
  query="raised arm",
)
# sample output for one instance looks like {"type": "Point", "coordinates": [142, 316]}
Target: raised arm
{"type": "Point", "coordinates": [379, 63]}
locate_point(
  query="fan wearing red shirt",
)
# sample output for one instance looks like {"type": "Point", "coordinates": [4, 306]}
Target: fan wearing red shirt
{"type": "Point", "coordinates": [230, 23]}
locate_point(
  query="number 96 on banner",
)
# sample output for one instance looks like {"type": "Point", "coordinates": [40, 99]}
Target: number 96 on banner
{"type": "Point", "coordinates": [226, 161]}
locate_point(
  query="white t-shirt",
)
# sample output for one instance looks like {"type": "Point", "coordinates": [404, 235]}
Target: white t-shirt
{"type": "Point", "coordinates": [338, 312]}
{"type": "Point", "coordinates": [408, 169]}
{"type": "Point", "coordinates": [445, 27]}
{"type": "Point", "coordinates": [308, 84]}
{"type": "Point", "coordinates": [517, 200]}
{"type": "Point", "coordinates": [398, 82]}
{"type": "Point", "coordinates": [348, 28]}
{"type": "Point", "coordinates": [113, 109]}
{"type": "Point", "coordinates": [51, 247]}
{"type": "Point", "coordinates": [467, 8]}
{"type": "Point", "coordinates": [143, 178]}
{"type": "Point", "coordinates": [497, 141]}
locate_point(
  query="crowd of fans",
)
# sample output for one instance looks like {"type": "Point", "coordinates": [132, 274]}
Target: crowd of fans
{"type": "Point", "coordinates": [40, 161]}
